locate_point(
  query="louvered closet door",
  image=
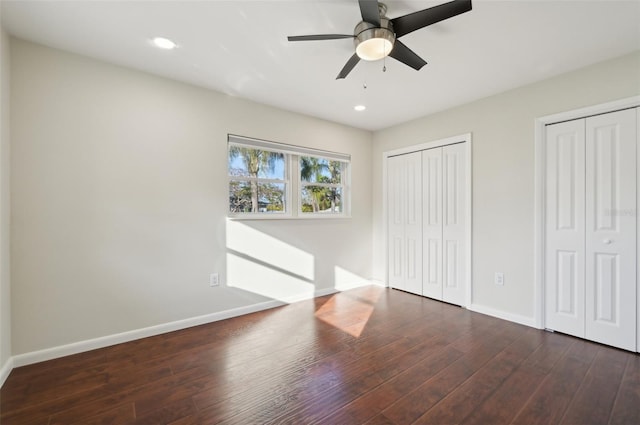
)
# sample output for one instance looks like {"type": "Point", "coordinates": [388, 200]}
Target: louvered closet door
{"type": "Point", "coordinates": [611, 229]}
{"type": "Point", "coordinates": [404, 185]}
{"type": "Point", "coordinates": [565, 224]}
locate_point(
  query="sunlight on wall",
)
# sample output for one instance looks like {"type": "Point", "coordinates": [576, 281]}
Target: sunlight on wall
{"type": "Point", "coordinates": [266, 266]}
{"type": "Point", "coordinates": [344, 279]}
{"type": "Point", "coordinates": [269, 250]}
{"type": "Point", "coordinates": [348, 312]}
{"type": "Point", "coordinates": [243, 273]}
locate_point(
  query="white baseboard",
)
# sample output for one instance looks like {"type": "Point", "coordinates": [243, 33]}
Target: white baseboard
{"type": "Point", "coordinates": [106, 341]}
{"type": "Point", "coordinates": [6, 370]}
{"type": "Point", "coordinates": [523, 320]}
{"type": "Point", "coordinates": [323, 292]}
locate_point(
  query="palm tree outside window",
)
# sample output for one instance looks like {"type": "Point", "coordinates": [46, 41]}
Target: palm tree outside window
{"type": "Point", "coordinates": [321, 185]}
{"type": "Point", "coordinates": [258, 182]}
{"type": "Point", "coordinates": [269, 179]}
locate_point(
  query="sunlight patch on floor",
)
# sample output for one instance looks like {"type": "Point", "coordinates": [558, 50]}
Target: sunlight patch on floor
{"type": "Point", "coordinates": [350, 312]}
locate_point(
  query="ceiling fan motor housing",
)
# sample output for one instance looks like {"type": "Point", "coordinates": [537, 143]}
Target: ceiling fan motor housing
{"type": "Point", "coordinates": [374, 42]}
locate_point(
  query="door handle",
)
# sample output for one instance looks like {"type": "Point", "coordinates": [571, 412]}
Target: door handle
{"type": "Point", "coordinates": [607, 241]}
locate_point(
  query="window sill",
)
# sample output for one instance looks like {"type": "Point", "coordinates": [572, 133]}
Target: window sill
{"type": "Point", "coordinates": [248, 217]}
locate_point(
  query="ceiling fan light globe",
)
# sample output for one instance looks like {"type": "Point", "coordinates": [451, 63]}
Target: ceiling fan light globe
{"type": "Point", "coordinates": [374, 43]}
{"type": "Point", "coordinates": [374, 49]}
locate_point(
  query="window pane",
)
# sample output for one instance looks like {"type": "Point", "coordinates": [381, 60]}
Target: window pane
{"type": "Point", "coordinates": [317, 199]}
{"type": "Point", "coordinates": [248, 162]}
{"type": "Point", "coordinates": [247, 197]}
{"type": "Point", "coordinates": [271, 197]}
{"type": "Point", "coordinates": [320, 170]}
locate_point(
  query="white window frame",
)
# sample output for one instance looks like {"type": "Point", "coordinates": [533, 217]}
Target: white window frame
{"type": "Point", "coordinates": [261, 180]}
{"type": "Point", "coordinates": [345, 195]}
{"type": "Point", "coordinates": [293, 181]}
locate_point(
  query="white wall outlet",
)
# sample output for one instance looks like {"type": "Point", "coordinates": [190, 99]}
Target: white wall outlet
{"type": "Point", "coordinates": [214, 279]}
{"type": "Point", "coordinates": [499, 278]}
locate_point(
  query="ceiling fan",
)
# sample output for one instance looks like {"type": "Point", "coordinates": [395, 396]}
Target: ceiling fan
{"type": "Point", "coordinates": [377, 36]}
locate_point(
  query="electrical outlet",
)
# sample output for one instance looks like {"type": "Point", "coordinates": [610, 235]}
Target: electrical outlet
{"type": "Point", "coordinates": [499, 278]}
{"type": "Point", "coordinates": [214, 279]}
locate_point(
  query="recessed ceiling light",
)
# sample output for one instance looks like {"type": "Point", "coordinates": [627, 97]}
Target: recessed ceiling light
{"type": "Point", "coordinates": [164, 43]}
{"type": "Point", "coordinates": [359, 108]}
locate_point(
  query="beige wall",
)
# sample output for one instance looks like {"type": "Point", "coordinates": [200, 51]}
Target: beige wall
{"type": "Point", "coordinates": [5, 286]}
{"type": "Point", "coordinates": [119, 203]}
{"type": "Point", "coordinates": [502, 128]}
{"type": "Point", "coordinates": [118, 183]}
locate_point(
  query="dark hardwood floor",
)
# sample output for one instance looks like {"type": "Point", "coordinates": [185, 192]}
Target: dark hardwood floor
{"type": "Point", "coordinates": [366, 356]}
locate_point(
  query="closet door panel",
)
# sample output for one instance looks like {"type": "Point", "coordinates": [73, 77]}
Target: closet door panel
{"type": "Point", "coordinates": [395, 221]}
{"type": "Point", "coordinates": [565, 228]}
{"type": "Point", "coordinates": [611, 229]}
{"type": "Point", "coordinates": [413, 224]}
{"type": "Point", "coordinates": [432, 223]}
{"type": "Point", "coordinates": [453, 224]}
{"type": "Point", "coordinates": [404, 206]}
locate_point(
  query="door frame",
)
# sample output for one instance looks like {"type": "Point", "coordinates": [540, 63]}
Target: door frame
{"type": "Point", "coordinates": [462, 138]}
{"type": "Point", "coordinates": [540, 124]}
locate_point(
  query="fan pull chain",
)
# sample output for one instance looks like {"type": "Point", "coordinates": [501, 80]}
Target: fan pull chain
{"type": "Point", "coordinates": [384, 58]}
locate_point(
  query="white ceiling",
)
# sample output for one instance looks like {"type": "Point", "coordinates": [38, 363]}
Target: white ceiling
{"type": "Point", "coordinates": [240, 48]}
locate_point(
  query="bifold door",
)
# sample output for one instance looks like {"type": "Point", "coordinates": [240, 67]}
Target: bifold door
{"type": "Point", "coordinates": [404, 186]}
{"type": "Point", "coordinates": [427, 222]}
{"type": "Point", "coordinates": [444, 209]}
{"type": "Point", "coordinates": [590, 247]}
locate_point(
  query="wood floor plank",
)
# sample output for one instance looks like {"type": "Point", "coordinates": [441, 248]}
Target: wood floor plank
{"type": "Point", "coordinates": [465, 399]}
{"type": "Point", "coordinates": [367, 372]}
{"type": "Point", "coordinates": [380, 420]}
{"type": "Point", "coordinates": [167, 412]}
{"type": "Point", "coordinates": [369, 355]}
{"type": "Point", "coordinates": [593, 402]}
{"type": "Point", "coordinates": [420, 400]}
{"type": "Point", "coordinates": [626, 409]}
{"type": "Point", "coordinates": [371, 403]}
{"type": "Point", "coordinates": [359, 378]}
{"type": "Point", "coordinates": [115, 398]}
{"type": "Point", "coordinates": [549, 403]}
{"type": "Point", "coordinates": [124, 414]}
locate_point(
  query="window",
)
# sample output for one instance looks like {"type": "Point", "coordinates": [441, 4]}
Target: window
{"type": "Point", "coordinates": [268, 179]}
{"type": "Point", "coordinates": [257, 180]}
{"type": "Point", "coordinates": [321, 187]}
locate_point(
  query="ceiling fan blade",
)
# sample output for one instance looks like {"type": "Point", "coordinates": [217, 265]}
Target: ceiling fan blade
{"type": "Point", "coordinates": [405, 55]}
{"type": "Point", "coordinates": [414, 21]}
{"type": "Point", "coordinates": [318, 37]}
{"type": "Point", "coordinates": [369, 11]}
{"type": "Point", "coordinates": [351, 63]}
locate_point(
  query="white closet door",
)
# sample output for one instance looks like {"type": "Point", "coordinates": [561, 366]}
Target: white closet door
{"type": "Point", "coordinates": [453, 223]}
{"type": "Point", "coordinates": [404, 179]}
{"type": "Point", "coordinates": [413, 224]}
{"type": "Point", "coordinates": [432, 222]}
{"type": "Point", "coordinates": [396, 212]}
{"type": "Point", "coordinates": [565, 226]}
{"type": "Point", "coordinates": [611, 229]}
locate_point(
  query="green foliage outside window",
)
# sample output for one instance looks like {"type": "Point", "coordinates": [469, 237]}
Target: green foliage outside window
{"type": "Point", "coordinates": [321, 185]}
